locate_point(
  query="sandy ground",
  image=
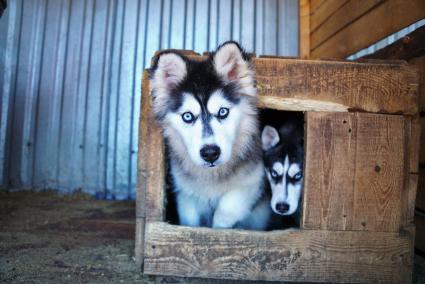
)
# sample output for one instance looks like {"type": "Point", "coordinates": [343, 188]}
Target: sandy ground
{"type": "Point", "coordinates": [46, 238]}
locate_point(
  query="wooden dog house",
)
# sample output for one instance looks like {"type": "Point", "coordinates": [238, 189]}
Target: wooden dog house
{"type": "Point", "coordinates": [361, 146]}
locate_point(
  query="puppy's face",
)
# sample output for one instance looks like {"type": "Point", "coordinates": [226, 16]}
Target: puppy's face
{"type": "Point", "coordinates": [283, 166]}
{"type": "Point", "coordinates": [201, 104]}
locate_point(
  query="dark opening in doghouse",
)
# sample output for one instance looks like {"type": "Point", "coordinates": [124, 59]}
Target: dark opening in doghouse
{"type": "Point", "coordinates": [284, 167]}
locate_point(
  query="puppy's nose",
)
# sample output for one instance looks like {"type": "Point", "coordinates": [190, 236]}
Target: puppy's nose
{"type": "Point", "coordinates": [210, 153]}
{"type": "Point", "coordinates": [282, 207]}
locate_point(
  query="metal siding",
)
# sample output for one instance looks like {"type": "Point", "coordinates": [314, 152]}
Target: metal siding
{"type": "Point", "coordinates": [71, 71]}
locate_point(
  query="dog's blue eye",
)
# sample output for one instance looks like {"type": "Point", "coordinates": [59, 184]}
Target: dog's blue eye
{"type": "Point", "coordinates": [188, 117]}
{"type": "Point", "coordinates": [298, 176]}
{"type": "Point", "coordinates": [223, 112]}
{"type": "Point", "coordinates": [274, 174]}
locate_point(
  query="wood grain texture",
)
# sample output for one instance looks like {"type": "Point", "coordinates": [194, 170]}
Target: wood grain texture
{"type": "Point", "coordinates": [307, 255]}
{"type": "Point", "coordinates": [329, 171]}
{"type": "Point", "coordinates": [151, 162]}
{"type": "Point", "coordinates": [419, 64]}
{"type": "Point", "coordinates": [346, 14]}
{"type": "Point", "coordinates": [369, 87]}
{"type": "Point", "coordinates": [392, 16]}
{"type": "Point", "coordinates": [422, 142]}
{"type": "Point", "coordinates": [304, 37]}
{"type": "Point", "coordinates": [139, 242]}
{"type": "Point", "coordinates": [379, 173]}
{"type": "Point", "coordinates": [323, 12]}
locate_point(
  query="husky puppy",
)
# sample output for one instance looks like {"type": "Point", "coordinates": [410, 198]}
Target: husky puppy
{"type": "Point", "coordinates": [208, 113]}
{"type": "Point", "coordinates": [283, 161]}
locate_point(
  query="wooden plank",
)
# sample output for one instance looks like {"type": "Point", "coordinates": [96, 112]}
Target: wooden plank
{"type": "Point", "coordinates": [405, 48]}
{"type": "Point", "coordinates": [151, 172]}
{"type": "Point", "coordinates": [291, 255]}
{"type": "Point", "coordinates": [420, 231]}
{"type": "Point", "coordinates": [293, 84]}
{"type": "Point", "coordinates": [139, 242]}
{"type": "Point", "coordinates": [343, 17]}
{"type": "Point", "coordinates": [326, 10]}
{"type": "Point", "coordinates": [304, 37]}
{"type": "Point", "coordinates": [379, 172]}
{"type": "Point", "coordinates": [329, 171]}
{"type": "Point", "coordinates": [419, 64]}
{"type": "Point", "coordinates": [392, 16]}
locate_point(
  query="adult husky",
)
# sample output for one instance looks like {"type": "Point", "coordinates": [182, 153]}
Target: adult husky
{"type": "Point", "coordinates": [208, 113]}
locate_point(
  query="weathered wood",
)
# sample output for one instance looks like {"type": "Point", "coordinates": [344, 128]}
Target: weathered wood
{"type": "Point", "coordinates": [382, 88]}
{"type": "Point", "coordinates": [329, 171]}
{"type": "Point", "coordinates": [309, 255]}
{"type": "Point", "coordinates": [408, 47]}
{"type": "Point", "coordinates": [151, 161]}
{"type": "Point", "coordinates": [139, 242]}
{"type": "Point", "coordinates": [344, 16]}
{"type": "Point", "coordinates": [419, 64]}
{"type": "Point", "coordinates": [392, 16]}
{"type": "Point", "coordinates": [379, 172]}
{"type": "Point", "coordinates": [304, 40]}
{"type": "Point", "coordinates": [355, 172]}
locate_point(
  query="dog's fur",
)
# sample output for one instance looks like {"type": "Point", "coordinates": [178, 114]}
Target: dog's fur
{"type": "Point", "coordinates": [210, 107]}
{"type": "Point", "coordinates": [284, 160]}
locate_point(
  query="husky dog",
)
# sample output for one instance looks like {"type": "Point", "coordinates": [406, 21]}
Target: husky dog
{"type": "Point", "coordinates": [283, 160]}
{"type": "Point", "coordinates": [208, 113]}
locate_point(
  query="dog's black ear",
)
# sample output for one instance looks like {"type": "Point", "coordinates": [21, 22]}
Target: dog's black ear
{"type": "Point", "coordinates": [269, 137]}
{"type": "Point", "coordinates": [168, 71]}
{"type": "Point", "coordinates": [232, 64]}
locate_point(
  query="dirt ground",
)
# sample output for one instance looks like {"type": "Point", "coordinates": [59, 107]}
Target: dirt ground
{"type": "Point", "coordinates": [47, 238]}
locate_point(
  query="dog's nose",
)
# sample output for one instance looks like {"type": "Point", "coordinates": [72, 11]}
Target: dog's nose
{"type": "Point", "coordinates": [210, 153]}
{"type": "Point", "coordinates": [282, 207]}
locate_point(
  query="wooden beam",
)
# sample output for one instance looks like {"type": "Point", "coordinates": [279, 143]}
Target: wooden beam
{"type": "Point", "coordinates": [151, 168]}
{"type": "Point", "coordinates": [304, 36]}
{"type": "Point", "coordinates": [324, 11]}
{"type": "Point", "coordinates": [419, 64]}
{"type": "Point", "coordinates": [420, 197]}
{"type": "Point", "coordinates": [386, 19]}
{"type": "Point", "coordinates": [338, 86]}
{"type": "Point", "coordinates": [291, 255]}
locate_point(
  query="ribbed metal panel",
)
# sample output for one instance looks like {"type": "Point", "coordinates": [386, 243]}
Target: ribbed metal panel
{"type": "Point", "coordinates": [70, 79]}
{"type": "Point", "coordinates": [387, 41]}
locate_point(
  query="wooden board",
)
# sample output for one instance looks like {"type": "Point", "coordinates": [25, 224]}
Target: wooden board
{"type": "Point", "coordinates": [341, 18]}
{"type": "Point", "coordinates": [324, 11]}
{"type": "Point", "coordinates": [329, 171]}
{"type": "Point", "coordinates": [305, 85]}
{"type": "Point", "coordinates": [392, 16]}
{"type": "Point", "coordinates": [419, 64]}
{"type": "Point", "coordinates": [278, 256]}
{"type": "Point", "coordinates": [355, 172]}
{"type": "Point", "coordinates": [151, 167]}
{"type": "Point", "coordinates": [422, 143]}
{"type": "Point", "coordinates": [379, 172]}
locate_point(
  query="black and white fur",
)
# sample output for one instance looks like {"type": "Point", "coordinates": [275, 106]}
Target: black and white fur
{"type": "Point", "coordinates": [208, 113]}
{"type": "Point", "coordinates": [283, 161]}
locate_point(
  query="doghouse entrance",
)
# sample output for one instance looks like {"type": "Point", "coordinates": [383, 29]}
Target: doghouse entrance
{"type": "Point", "coordinates": [284, 190]}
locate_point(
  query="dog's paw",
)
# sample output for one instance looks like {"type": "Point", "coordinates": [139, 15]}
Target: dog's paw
{"type": "Point", "coordinates": [222, 221]}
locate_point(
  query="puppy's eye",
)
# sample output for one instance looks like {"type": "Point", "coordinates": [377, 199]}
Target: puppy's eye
{"type": "Point", "coordinates": [298, 176]}
{"type": "Point", "coordinates": [274, 174]}
{"type": "Point", "coordinates": [223, 113]}
{"type": "Point", "coordinates": [188, 117]}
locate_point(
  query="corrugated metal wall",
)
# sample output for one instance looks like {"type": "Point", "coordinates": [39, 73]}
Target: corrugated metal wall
{"type": "Point", "coordinates": [387, 41]}
{"type": "Point", "coordinates": [70, 79]}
